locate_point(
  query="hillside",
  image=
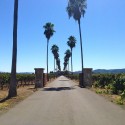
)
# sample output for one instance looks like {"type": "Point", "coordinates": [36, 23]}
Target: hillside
{"type": "Point", "coordinates": [105, 71]}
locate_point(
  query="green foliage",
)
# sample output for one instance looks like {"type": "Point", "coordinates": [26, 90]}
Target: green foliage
{"type": "Point", "coordinates": [119, 101]}
{"type": "Point", "coordinates": [73, 76]}
{"type": "Point", "coordinates": [66, 58]}
{"type": "Point", "coordinates": [52, 76]}
{"type": "Point", "coordinates": [113, 83]}
{"type": "Point", "coordinates": [98, 91]}
{"type": "Point", "coordinates": [49, 30]}
{"type": "Point", "coordinates": [71, 42]}
{"type": "Point", "coordinates": [103, 79]}
{"type": "Point", "coordinates": [122, 95]}
{"type": "Point", "coordinates": [22, 79]}
{"type": "Point", "coordinates": [4, 80]}
{"type": "Point", "coordinates": [25, 78]}
{"type": "Point", "coordinates": [96, 84]}
{"type": "Point", "coordinates": [76, 8]}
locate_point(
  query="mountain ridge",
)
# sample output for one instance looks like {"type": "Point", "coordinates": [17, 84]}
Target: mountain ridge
{"type": "Point", "coordinates": [102, 71]}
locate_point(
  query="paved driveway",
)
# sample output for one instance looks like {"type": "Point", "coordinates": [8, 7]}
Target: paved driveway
{"type": "Point", "coordinates": [64, 103]}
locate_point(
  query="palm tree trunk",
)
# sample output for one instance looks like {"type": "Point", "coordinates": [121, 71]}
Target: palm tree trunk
{"type": "Point", "coordinates": [71, 62]}
{"type": "Point", "coordinates": [82, 83]}
{"type": "Point", "coordinates": [47, 59]}
{"type": "Point", "coordinates": [13, 82]}
{"type": "Point", "coordinates": [56, 67]}
{"type": "Point", "coordinates": [54, 64]}
{"type": "Point", "coordinates": [68, 65]}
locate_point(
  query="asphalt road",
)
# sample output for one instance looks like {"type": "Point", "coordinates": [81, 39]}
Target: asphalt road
{"type": "Point", "coordinates": [64, 103]}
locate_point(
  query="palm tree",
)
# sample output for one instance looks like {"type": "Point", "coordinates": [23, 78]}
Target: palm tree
{"type": "Point", "coordinates": [65, 65]}
{"type": "Point", "coordinates": [68, 55]}
{"type": "Point", "coordinates": [75, 9]}
{"type": "Point", "coordinates": [58, 64]}
{"type": "Point", "coordinates": [49, 30]}
{"type": "Point", "coordinates": [71, 43]}
{"type": "Point", "coordinates": [12, 87]}
{"type": "Point", "coordinates": [66, 60]}
{"type": "Point", "coordinates": [54, 50]}
{"type": "Point", "coordinates": [56, 58]}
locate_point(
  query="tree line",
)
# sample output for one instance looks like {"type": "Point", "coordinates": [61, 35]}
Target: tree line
{"type": "Point", "coordinates": [75, 9]}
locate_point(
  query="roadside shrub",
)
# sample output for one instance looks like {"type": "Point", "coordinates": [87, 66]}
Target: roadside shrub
{"type": "Point", "coordinates": [103, 79]}
{"type": "Point", "coordinates": [96, 84]}
{"type": "Point", "coordinates": [122, 95]}
{"type": "Point", "coordinates": [119, 101]}
{"type": "Point", "coordinates": [113, 83]}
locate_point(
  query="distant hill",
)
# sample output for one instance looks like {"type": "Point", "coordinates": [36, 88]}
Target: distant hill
{"type": "Point", "coordinates": [76, 72]}
{"type": "Point", "coordinates": [103, 71]}
{"type": "Point", "coordinates": [109, 71]}
{"type": "Point", "coordinates": [25, 72]}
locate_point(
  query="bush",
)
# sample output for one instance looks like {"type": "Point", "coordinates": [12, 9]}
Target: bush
{"type": "Point", "coordinates": [113, 83]}
{"type": "Point", "coordinates": [24, 79]}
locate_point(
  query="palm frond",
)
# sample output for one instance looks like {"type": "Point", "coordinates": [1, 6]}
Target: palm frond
{"type": "Point", "coordinates": [76, 8]}
{"type": "Point", "coordinates": [49, 30]}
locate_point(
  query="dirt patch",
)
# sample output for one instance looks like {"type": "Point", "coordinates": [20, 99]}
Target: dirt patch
{"type": "Point", "coordinates": [23, 92]}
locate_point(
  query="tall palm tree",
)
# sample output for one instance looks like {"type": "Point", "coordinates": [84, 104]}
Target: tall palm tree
{"type": "Point", "coordinates": [49, 31]}
{"type": "Point", "coordinates": [66, 60]}
{"type": "Point", "coordinates": [68, 55]}
{"type": "Point", "coordinates": [58, 64]}
{"type": "Point", "coordinates": [12, 87]}
{"type": "Point", "coordinates": [54, 50]}
{"type": "Point", "coordinates": [71, 43]}
{"type": "Point", "coordinates": [56, 57]}
{"type": "Point", "coordinates": [75, 9]}
{"type": "Point", "coordinates": [65, 65]}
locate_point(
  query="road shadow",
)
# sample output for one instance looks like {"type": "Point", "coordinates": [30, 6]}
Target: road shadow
{"type": "Point", "coordinates": [4, 99]}
{"type": "Point", "coordinates": [64, 80]}
{"type": "Point", "coordinates": [58, 88]}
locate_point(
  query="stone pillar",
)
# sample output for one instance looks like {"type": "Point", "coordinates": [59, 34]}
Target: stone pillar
{"type": "Point", "coordinates": [87, 77]}
{"type": "Point", "coordinates": [39, 77]}
{"type": "Point", "coordinates": [80, 79]}
{"type": "Point", "coordinates": [44, 79]}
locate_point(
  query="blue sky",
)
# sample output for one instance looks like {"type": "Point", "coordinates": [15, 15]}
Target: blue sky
{"type": "Point", "coordinates": [103, 32]}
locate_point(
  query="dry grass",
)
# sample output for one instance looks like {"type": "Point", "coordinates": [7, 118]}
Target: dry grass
{"type": "Point", "coordinates": [23, 92]}
{"type": "Point", "coordinates": [111, 97]}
